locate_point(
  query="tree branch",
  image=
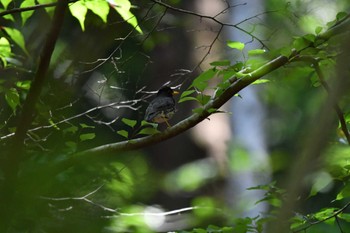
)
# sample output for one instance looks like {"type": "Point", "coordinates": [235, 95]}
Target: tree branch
{"type": "Point", "coordinates": [237, 84]}
{"type": "Point", "coordinates": [30, 8]}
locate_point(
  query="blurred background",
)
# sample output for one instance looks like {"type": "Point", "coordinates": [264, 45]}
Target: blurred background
{"type": "Point", "coordinates": [199, 178]}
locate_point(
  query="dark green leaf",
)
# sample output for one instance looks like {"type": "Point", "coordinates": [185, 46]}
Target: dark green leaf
{"type": "Point", "coordinates": [341, 15]}
{"type": "Point", "coordinates": [220, 63]}
{"type": "Point", "coordinates": [12, 99]}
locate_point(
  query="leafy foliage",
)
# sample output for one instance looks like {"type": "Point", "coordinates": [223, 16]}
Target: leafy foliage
{"type": "Point", "coordinates": [73, 190]}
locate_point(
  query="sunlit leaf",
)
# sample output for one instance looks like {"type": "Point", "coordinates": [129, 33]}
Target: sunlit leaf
{"type": "Point", "coordinates": [87, 136]}
{"type": "Point", "coordinates": [26, 14]}
{"type": "Point", "coordinates": [12, 99]}
{"type": "Point", "coordinates": [25, 85]}
{"type": "Point", "coordinates": [79, 10]}
{"type": "Point", "coordinates": [53, 124]}
{"type": "Point", "coordinates": [98, 7]}
{"type": "Point", "coordinates": [5, 50]}
{"type": "Point", "coordinates": [123, 8]}
{"type": "Point", "coordinates": [235, 45]}
{"type": "Point", "coordinates": [6, 3]}
{"type": "Point", "coordinates": [344, 193]}
{"type": "Point", "coordinates": [261, 81]}
{"type": "Point", "coordinates": [17, 37]}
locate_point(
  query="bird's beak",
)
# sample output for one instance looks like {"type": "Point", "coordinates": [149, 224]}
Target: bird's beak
{"type": "Point", "coordinates": [176, 92]}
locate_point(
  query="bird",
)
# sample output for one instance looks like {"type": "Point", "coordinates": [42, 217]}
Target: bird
{"type": "Point", "coordinates": [162, 107]}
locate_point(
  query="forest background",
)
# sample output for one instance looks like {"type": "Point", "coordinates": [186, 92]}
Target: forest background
{"type": "Point", "coordinates": [259, 142]}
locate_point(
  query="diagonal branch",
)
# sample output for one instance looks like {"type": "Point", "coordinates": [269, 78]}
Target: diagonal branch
{"type": "Point", "coordinates": [237, 84]}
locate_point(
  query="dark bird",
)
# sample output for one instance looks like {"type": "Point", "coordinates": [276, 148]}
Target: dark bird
{"type": "Point", "coordinates": [162, 107]}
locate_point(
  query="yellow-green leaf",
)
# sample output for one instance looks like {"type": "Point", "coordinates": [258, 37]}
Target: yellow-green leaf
{"type": "Point", "coordinates": [98, 7]}
{"type": "Point", "coordinates": [79, 10]}
{"type": "Point", "coordinates": [235, 45]}
{"type": "Point", "coordinates": [5, 50]}
{"type": "Point", "coordinates": [26, 14]}
{"type": "Point", "coordinates": [17, 37]}
{"type": "Point", "coordinates": [123, 8]}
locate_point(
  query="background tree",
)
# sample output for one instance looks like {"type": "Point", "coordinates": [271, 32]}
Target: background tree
{"type": "Point", "coordinates": [77, 75]}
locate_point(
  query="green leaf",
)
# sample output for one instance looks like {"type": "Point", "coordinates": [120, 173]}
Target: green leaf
{"type": "Point", "coordinates": [123, 133]}
{"type": "Point", "coordinates": [53, 124]}
{"type": "Point", "coordinates": [26, 14]}
{"type": "Point", "coordinates": [12, 99]}
{"type": "Point", "coordinates": [5, 50]}
{"type": "Point", "coordinates": [203, 99]}
{"type": "Point", "coordinates": [146, 123]}
{"type": "Point", "coordinates": [98, 7]}
{"type": "Point", "coordinates": [201, 82]}
{"type": "Point", "coordinates": [261, 81]}
{"type": "Point", "coordinates": [6, 3]}
{"type": "Point", "coordinates": [235, 45]}
{"type": "Point", "coordinates": [87, 136]}
{"type": "Point", "coordinates": [318, 30]}
{"type": "Point", "coordinates": [188, 98]}
{"type": "Point", "coordinates": [123, 8]}
{"type": "Point", "coordinates": [79, 10]}
{"type": "Point", "coordinates": [255, 52]}
{"type": "Point", "coordinates": [310, 37]}
{"type": "Point", "coordinates": [25, 85]}
{"type": "Point", "coordinates": [85, 126]}
{"type": "Point", "coordinates": [73, 129]}
{"type": "Point", "coordinates": [325, 213]}
{"type": "Point", "coordinates": [221, 63]}
{"type": "Point", "coordinates": [341, 15]}
{"type": "Point", "coordinates": [300, 43]}
{"type": "Point", "coordinates": [129, 122]}
{"type": "Point", "coordinates": [148, 131]}
{"type": "Point", "coordinates": [344, 193]}
{"type": "Point", "coordinates": [17, 37]}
